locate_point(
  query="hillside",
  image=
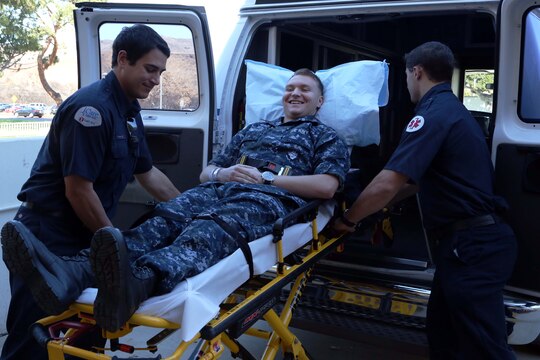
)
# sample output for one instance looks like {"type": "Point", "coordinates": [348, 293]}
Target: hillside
{"type": "Point", "coordinates": [180, 82]}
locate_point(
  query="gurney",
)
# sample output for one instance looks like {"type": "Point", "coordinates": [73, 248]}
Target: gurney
{"type": "Point", "coordinates": [217, 306]}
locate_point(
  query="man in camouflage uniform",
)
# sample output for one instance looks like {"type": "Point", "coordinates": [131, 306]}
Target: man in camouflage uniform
{"type": "Point", "coordinates": [283, 162]}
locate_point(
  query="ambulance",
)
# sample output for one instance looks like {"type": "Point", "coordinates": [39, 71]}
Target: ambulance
{"type": "Point", "coordinates": [378, 286]}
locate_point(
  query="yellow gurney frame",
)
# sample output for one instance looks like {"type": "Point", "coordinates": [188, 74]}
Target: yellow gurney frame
{"type": "Point", "coordinates": [237, 315]}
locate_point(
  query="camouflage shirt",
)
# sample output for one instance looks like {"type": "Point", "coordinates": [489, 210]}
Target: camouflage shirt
{"type": "Point", "coordinates": [306, 145]}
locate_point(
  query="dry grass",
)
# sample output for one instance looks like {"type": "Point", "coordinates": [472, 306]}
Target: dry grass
{"type": "Point", "coordinates": [179, 82]}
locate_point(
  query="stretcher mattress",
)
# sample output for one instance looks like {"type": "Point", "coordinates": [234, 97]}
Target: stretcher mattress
{"type": "Point", "coordinates": [195, 301]}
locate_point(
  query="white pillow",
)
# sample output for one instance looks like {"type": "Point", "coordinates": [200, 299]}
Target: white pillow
{"type": "Point", "coordinates": [353, 93]}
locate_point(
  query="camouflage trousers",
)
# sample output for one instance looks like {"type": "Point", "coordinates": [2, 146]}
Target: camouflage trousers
{"type": "Point", "coordinates": [183, 245]}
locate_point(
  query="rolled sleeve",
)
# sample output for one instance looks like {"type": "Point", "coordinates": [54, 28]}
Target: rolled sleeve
{"type": "Point", "coordinates": [332, 156]}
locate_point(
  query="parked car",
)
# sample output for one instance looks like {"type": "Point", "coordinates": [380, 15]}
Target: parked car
{"type": "Point", "coordinates": [13, 108]}
{"type": "Point", "coordinates": [28, 111]}
{"type": "Point", "coordinates": [4, 107]}
{"type": "Point", "coordinates": [40, 106]}
{"type": "Point", "coordinates": [52, 109]}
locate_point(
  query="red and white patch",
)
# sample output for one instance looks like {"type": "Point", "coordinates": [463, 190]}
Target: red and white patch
{"type": "Point", "coordinates": [88, 116]}
{"type": "Point", "coordinates": [415, 124]}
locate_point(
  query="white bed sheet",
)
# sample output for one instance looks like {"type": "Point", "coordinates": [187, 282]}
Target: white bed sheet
{"type": "Point", "coordinates": [195, 301]}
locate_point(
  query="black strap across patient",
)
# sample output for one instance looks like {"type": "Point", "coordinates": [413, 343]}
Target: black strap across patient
{"type": "Point", "coordinates": [240, 240]}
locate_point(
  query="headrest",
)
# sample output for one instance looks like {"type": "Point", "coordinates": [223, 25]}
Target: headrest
{"type": "Point", "coordinates": [353, 93]}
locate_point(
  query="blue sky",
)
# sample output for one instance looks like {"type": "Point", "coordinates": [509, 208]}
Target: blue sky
{"type": "Point", "coordinates": [222, 18]}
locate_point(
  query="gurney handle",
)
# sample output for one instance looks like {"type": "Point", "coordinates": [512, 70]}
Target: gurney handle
{"type": "Point", "coordinates": [40, 333]}
{"type": "Point", "coordinates": [309, 211]}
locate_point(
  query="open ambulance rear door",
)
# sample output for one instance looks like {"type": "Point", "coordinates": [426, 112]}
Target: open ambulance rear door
{"type": "Point", "coordinates": [516, 139]}
{"type": "Point", "coordinates": [178, 114]}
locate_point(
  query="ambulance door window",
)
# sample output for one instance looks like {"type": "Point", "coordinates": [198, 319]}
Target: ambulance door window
{"type": "Point", "coordinates": [179, 87]}
{"type": "Point", "coordinates": [478, 90]}
{"type": "Point", "coordinates": [529, 106]}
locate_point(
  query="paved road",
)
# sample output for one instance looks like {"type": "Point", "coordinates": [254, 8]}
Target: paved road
{"type": "Point", "coordinates": [326, 347]}
{"type": "Point", "coordinates": [319, 346]}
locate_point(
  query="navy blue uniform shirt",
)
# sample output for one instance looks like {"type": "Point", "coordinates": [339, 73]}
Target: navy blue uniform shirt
{"type": "Point", "coordinates": [90, 137]}
{"type": "Point", "coordinates": [444, 151]}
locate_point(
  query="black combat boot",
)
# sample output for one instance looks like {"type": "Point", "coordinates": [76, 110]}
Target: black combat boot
{"type": "Point", "coordinates": [54, 281]}
{"type": "Point", "coordinates": [121, 287]}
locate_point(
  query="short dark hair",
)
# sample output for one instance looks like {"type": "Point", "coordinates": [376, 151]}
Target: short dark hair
{"type": "Point", "coordinates": [137, 40]}
{"type": "Point", "coordinates": [309, 73]}
{"type": "Point", "coordinates": [436, 58]}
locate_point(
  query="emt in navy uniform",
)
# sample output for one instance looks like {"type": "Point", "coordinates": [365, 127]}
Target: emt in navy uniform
{"type": "Point", "coordinates": [443, 153]}
{"type": "Point", "coordinates": [94, 148]}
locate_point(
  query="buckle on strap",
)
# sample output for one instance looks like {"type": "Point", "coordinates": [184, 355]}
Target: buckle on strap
{"type": "Point", "coordinates": [264, 165]}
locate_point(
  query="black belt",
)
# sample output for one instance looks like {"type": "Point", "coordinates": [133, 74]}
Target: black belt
{"type": "Point", "coordinates": [472, 222]}
{"type": "Point", "coordinates": [264, 165]}
{"type": "Point", "coordinates": [38, 209]}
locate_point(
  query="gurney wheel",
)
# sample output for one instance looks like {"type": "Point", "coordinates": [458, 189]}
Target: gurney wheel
{"type": "Point", "coordinates": [243, 353]}
{"type": "Point", "coordinates": [290, 356]}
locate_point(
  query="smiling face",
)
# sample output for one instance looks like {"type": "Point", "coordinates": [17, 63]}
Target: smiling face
{"type": "Point", "coordinates": [137, 80]}
{"type": "Point", "coordinates": [302, 97]}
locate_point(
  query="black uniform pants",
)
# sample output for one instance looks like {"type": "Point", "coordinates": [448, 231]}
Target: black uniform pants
{"type": "Point", "coordinates": [63, 237]}
{"type": "Point", "coordinates": [465, 318]}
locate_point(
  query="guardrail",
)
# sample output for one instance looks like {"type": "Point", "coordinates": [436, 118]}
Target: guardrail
{"type": "Point", "coordinates": [24, 129]}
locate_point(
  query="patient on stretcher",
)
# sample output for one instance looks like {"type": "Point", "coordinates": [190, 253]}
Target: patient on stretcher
{"type": "Point", "coordinates": [269, 169]}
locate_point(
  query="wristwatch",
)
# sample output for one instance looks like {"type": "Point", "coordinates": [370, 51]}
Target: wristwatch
{"type": "Point", "coordinates": [268, 177]}
{"type": "Point", "coordinates": [346, 221]}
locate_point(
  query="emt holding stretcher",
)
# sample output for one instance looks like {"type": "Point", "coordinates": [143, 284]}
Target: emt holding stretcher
{"type": "Point", "coordinates": [443, 152]}
{"type": "Point", "coordinates": [95, 146]}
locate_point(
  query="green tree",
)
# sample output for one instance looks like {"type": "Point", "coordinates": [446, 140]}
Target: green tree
{"type": "Point", "coordinates": [33, 25]}
{"type": "Point", "coordinates": [18, 31]}
{"type": "Point", "coordinates": [53, 16]}
{"type": "Point", "coordinates": [479, 83]}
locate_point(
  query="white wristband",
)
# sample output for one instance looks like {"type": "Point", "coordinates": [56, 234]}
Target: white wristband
{"type": "Point", "coordinates": [214, 174]}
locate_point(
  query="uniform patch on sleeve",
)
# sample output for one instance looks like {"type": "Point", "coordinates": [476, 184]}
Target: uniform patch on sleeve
{"type": "Point", "coordinates": [415, 124]}
{"type": "Point", "coordinates": [88, 116]}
